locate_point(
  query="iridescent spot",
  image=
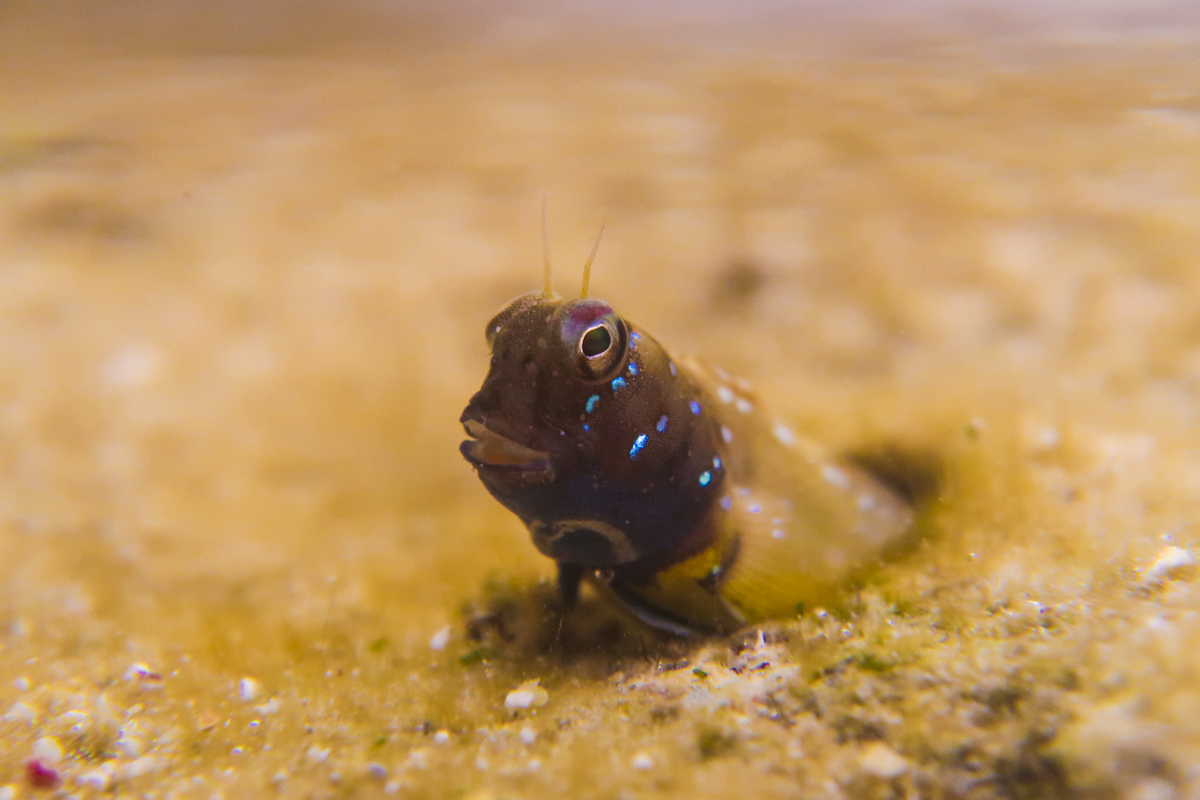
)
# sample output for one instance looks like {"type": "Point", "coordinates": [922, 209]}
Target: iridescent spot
{"type": "Point", "coordinates": [635, 336]}
{"type": "Point", "coordinates": [726, 434]}
{"type": "Point", "coordinates": [725, 393]}
{"type": "Point", "coordinates": [744, 406]}
{"type": "Point", "coordinates": [716, 462]}
{"type": "Point", "coordinates": [695, 407]}
{"type": "Point", "coordinates": [638, 444]}
{"type": "Point", "coordinates": [705, 478]}
{"type": "Point", "coordinates": [592, 402]}
{"type": "Point", "coordinates": [777, 534]}
{"type": "Point", "coordinates": [755, 508]}
{"type": "Point", "coordinates": [618, 384]}
{"type": "Point", "coordinates": [633, 368]}
{"type": "Point", "coordinates": [587, 428]}
{"type": "Point", "coordinates": [866, 502]}
{"type": "Point", "coordinates": [726, 502]}
{"type": "Point", "coordinates": [674, 372]}
{"type": "Point", "coordinates": [661, 427]}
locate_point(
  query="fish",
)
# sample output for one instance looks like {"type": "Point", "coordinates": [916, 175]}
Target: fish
{"type": "Point", "coordinates": [661, 481]}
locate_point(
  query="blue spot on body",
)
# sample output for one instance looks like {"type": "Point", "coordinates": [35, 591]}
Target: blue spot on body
{"type": "Point", "coordinates": [633, 369]}
{"type": "Point", "coordinates": [586, 427]}
{"type": "Point", "coordinates": [634, 338]}
{"type": "Point", "coordinates": [638, 444]}
{"type": "Point", "coordinates": [592, 402]}
{"type": "Point", "coordinates": [618, 384]}
{"type": "Point", "coordinates": [674, 372]}
{"type": "Point", "coordinates": [661, 427]}
{"type": "Point", "coordinates": [705, 478]}
{"type": "Point", "coordinates": [716, 462]}
{"type": "Point", "coordinates": [695, 407]}
{"type": "Point", "coordinates": [755, 508]}
{"type": "Point", "coordinates": [726, 502]}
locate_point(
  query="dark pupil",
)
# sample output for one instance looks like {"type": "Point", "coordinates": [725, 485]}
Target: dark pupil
{"type": "Point", "coordinates": [595, 341]}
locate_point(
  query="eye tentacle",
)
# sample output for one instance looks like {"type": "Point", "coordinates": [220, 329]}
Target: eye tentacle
{"type": "Point", "coordinates": [547, 289]}
{"type": "Point", "coordinates": [587, 265]}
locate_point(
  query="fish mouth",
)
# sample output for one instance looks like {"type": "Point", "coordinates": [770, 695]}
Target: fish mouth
{"type": "Point", "coordinates": [487, 449]}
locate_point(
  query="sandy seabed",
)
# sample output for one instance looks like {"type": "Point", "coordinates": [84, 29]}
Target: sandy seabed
{"type": "Point", "coordinates": [242, 299]}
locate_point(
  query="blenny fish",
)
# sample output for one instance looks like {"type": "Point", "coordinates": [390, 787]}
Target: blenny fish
{"type": "Point", "coordinates": [662, 481]}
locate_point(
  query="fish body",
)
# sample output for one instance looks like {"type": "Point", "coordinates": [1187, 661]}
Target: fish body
{"type": "Point", "coordinates": [661, 481]}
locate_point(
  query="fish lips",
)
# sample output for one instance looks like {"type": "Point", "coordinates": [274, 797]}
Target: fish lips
{"type": "Point", "coordinates": [498, 457]}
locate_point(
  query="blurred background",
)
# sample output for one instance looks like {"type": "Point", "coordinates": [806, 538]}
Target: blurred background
{"type": "Point", "coordinates": [247, 251]}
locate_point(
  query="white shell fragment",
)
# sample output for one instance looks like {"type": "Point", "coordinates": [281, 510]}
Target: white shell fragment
{"type": "Point", "coordinates": [138, 767]}
{"type": "Point", "coordinates": [880, 761]}
{"type": "Point", "coordinates": [248, 689]}
{"type": "Point", "coordinates": [1168, 560]}
{"type": "Point", "coordinates": [527, 695]}
{"type": "Point", "coordinates": [439, 640]}
{"type": "Point", "coordinates": [20, 712]}
{"type": "Point", "coordinates": [99, 778]}
{"type": "Point", "coordinates": [48, 751]}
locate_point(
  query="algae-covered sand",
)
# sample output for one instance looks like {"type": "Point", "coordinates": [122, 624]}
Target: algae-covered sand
{"type": "Point", "coordinates": [244, 274]}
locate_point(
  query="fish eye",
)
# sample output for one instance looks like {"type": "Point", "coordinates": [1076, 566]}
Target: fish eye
{"type": "Point", "coordinates": [595, 341]}
{"type": "Point", "coordinates": [595, 337]}
{"type": "Point", "coordinates": [597, 350]}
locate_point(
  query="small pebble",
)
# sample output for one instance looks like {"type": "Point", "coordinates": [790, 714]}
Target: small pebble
{"type": "Point", "coordinates": [376, 771]}
{"type": "Point", "coordinates": [20, 712]}
{"type": "Point", "coordinates": [99, 778]}
{"type": "Point", "coordinates": [129, 744]}
{"type": "Point", "coordinates": [138, 767]}
{"type": "Point", "coordinates": [441, 737]}
{"type": "Point", "coordinates": [269, 707]}
{"type": "Point", "coordinates": [440, 639]}
{"type": "Point", "coordinates": [527, 695]}
{"type": "Point", "coordinates": [248, 689]}
{"type": "Point", "coordinates": [881, 761]}
{"type": "Point", "coordinates": [141, 672]}
{"type": "Point", "coordinates": [207, 721]}
{"type": "Point", "coordinates": [8, 792]}
{"type": "Point", "coordinates": [48, 751]}
{"type": "Point", "coordinates": [75, 721]}
{"type": "Point", "coordinates": [642, 761]}
{"type": "Point", "coordinates": [317, 755]}
{"type": "Point", "coordinates": [1168, 560]}
{"type": "Point", "coordinates": [392, 786]}
{"type": "Point", "coordinates": [279, 778]}
{"type": "Point", "coordinates": [1152, 789]}
{"type": "Point", "coordinates": [21, 684]}
{"type": "Point", "coordinates": [527, 736]}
